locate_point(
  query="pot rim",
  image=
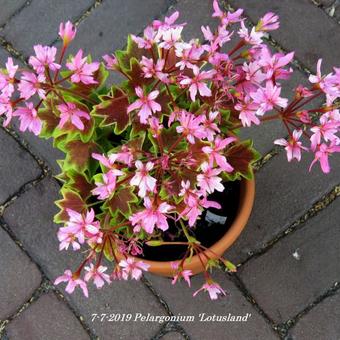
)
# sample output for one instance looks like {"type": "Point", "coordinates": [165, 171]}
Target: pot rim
{"type": "Point", "coordinates": [247, 195]}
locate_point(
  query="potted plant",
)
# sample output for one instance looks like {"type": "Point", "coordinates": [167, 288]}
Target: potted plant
{"type": "Point", "coordinates": [155, 176]}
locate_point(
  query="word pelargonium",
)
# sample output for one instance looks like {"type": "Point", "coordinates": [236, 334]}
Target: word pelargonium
{"type": "Point", "coordinates": [149, 151]}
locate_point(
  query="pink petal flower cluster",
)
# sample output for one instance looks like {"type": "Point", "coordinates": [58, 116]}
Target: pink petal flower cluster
{"type": "Point", "coordinates": [82, 70]}
{"type": "Point", "coordinates": [145, 105]}
{"type": "Point", "coordinates": [132, 268]}
{"type": "Point", "coordinates": [70, 113]}
{"type": "Point", "coordinates": [79, 228]}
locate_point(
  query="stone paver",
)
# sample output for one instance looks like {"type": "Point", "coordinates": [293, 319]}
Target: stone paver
{"type": "Point", "coordinates": [284, 191]}
{"type": "Point", "coordinates": [314, 37]}
{"type": "Point", "coordinates": [8, 8]}
{"type": "Point", "coordinates": [19, 276]}
{"type": "Point", "coordinates": [33, 225]}
{"type": "Point", "coordinates": [281, 284]}
{"type": "Point", "coordinates": [298, 281]}
{"type": "Point", "coordinates": [47, 319]}
{"type": "Point", "coordinates": [172, 336]}
{"type": "Point", "coordinates": [108, 26]}
{"type": "Point", "coordinates": [180, 301]}
{"type": "Point", "coordinates": [16, 168]}
{"type": "Point", "coordinates": [322, 322]}
{"type": "Point", "coordinates": [39, 22]}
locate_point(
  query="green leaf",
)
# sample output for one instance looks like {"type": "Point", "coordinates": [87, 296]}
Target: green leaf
{"type": "Point", "coordinates": [154, 243]}
{"type": "Point", "coordinates": [229, 266]}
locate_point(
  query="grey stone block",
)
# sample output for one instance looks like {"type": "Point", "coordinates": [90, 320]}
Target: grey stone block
{"type": "Point", "coordinates": [284, 191]}
{"type": "Point", "coordinates": [39, 22]}
{"type": "Point", "coordinates": [300, 278]}
{"type": "Point", "coordinates": [172, 336]}
{"type": "Point", "coordinates": [322, 322]}
{"type": "Point", "coordinates": [8, 8]}
{"type": "Point", "coordinates": [47, 318]}
{"type": "Point", "coordinates": [33, 225]}
{"type": "Point", "coordinates": [181, 302]}
{"type": "Point", "coordinates": [19, 276]}
{"type": "Point", "coordinates": [17, 166]}
{"type": "Point", "coordinates": [106, 29]}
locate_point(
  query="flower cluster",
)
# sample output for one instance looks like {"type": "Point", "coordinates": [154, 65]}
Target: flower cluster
{"type": "Point", "coordinates": [144, 156]}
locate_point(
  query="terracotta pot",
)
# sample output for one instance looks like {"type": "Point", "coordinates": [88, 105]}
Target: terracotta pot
{"type": "Point", "coordinates": [247, 195]}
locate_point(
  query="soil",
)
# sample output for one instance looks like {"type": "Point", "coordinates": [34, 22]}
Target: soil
{"type": "Point", "coordinates": [212, 225]}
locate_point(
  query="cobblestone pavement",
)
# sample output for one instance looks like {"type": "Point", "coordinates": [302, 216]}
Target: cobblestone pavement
{"type": "Point", "coordinates": [288, 297]}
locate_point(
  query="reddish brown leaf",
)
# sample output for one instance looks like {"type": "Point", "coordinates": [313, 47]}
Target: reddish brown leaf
{"type": "Point", "coordinates": [79, 153]}
{"type": "Point", "coordinates": [240, 156]}
{"type": "Point", "coordinates": [114, 110]}
{"type": "Point", "coordinates": [71, 200]}
{"type": "Point", "coordinates": [121, 201]}
{"type": "Point", "coordinates": [49, 115]}
{"type": "Point", "coordinates": [136, 75]}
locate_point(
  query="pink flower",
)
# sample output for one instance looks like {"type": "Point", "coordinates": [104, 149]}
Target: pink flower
{"type": "Point", "coordinates": [151, 70]}
{"type": "Point", "coordinates": [252, 38]}
{"type": "Point", "coordinates": [170, 37]}
{"type": "Point", "coordinates": [253, 72]}
{"type": "Point", "coordinates": [192, 208]}
{"type": "Point", "coordinates": [132, 268]}
{"type": "Point", "coordinates": [81, 225]}
{"type": "Point", "coordinates": [268, 97]}
{"type": "Point", "coordinates": [72, 282]}
{"type": "Point", "coordinates": [269, 22]}
{"type": "Point", "coordinates": [167, 23]}
{"type": "Point", "coordinates": [7, 78]}
{"type": "Point", "coordinates": [209, 125]}
{"type": "Point", "coordinates": [150, 217]}
{"type": "Point", "coordinates": [30, 84]}
{"type": "Point", "coordinates": [214, 153]}
{"type": "Point", "coordinates": [67, 237]}
{"type": "Point", "coordinates": [248, 111]}
{"type": "Point", "coordinates": [188, 54]}
{"type": "Point", "coordinates": [326, 130]}
{"type": "Point", "coordinates": [212, 288]}
{"type": "Point", "coordinates": [226, 18]}
{"type": "Point", "coordinates": [44, 58]}
{"type": "Point", "coordinates": [82, 70]}
{"type": "Point", "coordinates": [209, 181]}
{"type": "Point", "coordinates": [185, 274]}
{"type": "Point", "coordinates": [70, 112]}
{"type": "Point", "coordinates": [145, 103]}
{"type": "Point", "coordinates": [111, 61]}
{"type": "Point", "coordinates": [150, 37]}
{"type": "Point", "coordinates": [191, 126]}
{"type": "Point", "coordinates": [29, 119]}
{"type": "Point", "coordinates": [273, 64]}
{"type": "Point", "coordinates": [108, 162]}
{"type": "Point", "coordinates": [142, 179]}
{"type": "Point", "coordinates": [293, 147]}
{"type": "Point", "coordinates": [67, 32]}
{"type": "Point", "coordinates": [321, 155]}
{"type": "Point", "coordinates": [326, 83]}
{"type": "Point", "coordinates": [197, 83]}
{"type": "Point", "coordinates": [6, 108]}
{"type": "Point", "coordinates": [97, 274]}
{"type": "Point", "coordinates": [105, 189]}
